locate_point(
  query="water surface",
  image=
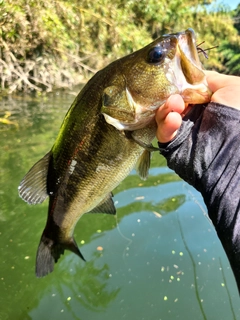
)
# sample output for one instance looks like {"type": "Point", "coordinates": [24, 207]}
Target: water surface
{"type": "Point", "coordinates": [158, 259]}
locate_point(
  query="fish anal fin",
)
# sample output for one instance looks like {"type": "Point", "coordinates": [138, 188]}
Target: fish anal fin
{"type": "Point", "coordinates": [49, 252]}
{"type": "Point", "coordinates": [105, 206]}
{"type": "Point", "coordinates": [33, 187]}
{"type": "Point", "coordinates": [143, 164]}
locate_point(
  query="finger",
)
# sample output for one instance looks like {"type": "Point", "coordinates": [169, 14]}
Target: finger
{"type": "Point", "coordinates": [217, 81]}
{"type": "Point", "coordinates": [174, 103]}
{"type": "Point", "coordinates": [228, 96]}
{"type": "Point", "coordinates": [167, 128]}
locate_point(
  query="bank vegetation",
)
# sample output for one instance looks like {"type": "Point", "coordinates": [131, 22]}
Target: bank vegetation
{"type": "Point", "coordinates": [57, 44]}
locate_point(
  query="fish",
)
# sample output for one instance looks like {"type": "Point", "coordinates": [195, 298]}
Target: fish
{"type": "Point", "coordinates": [106, 133]}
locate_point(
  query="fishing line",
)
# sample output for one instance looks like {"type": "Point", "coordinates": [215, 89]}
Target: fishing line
{"type": "Point", "coordinates": [195, 277]}
{"type": "Point", "coordinates": [124, 255]}
{"type": "Point", "coordinates": [203, 51]}
{"type": "Point", "coordinates": [195, 200]}
{"type": "Point", "coordinates": [226, 286]}
{"type": "Point", "coordinates": [220, 262]}
{"type": "Point", "coordinates": [124, 237]}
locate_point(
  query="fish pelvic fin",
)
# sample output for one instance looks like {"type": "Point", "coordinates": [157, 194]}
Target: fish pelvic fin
{"type": "Point", "coordinates": [143, 164]}
{"type": "Point", "coordinates": [49, 252]}
{"type": "Point", "coordinates": [33, 187]}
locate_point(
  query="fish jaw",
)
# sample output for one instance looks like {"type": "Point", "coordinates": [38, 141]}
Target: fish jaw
{"type": "Point", "coordinates": [185, 71]}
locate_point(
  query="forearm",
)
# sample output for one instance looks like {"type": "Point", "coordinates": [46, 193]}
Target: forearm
{"type": "Point", "coordinates": [205, 153]}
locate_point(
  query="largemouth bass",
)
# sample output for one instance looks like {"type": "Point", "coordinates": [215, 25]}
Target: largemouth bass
{"type": "Point", "coordinates": [108, 131]}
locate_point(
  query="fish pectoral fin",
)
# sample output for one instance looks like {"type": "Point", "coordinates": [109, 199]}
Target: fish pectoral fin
{"type": "Point", "coordinates": [143, 164]}
{"type": "Point", "coordinates": [105, 206]}
{"type": "Point", "coordinates": [33, 187]}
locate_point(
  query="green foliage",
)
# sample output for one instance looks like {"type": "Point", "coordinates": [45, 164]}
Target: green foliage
{"type": "Point", "coordinates": [236, 18]}
{"type": "Point", "coordinates": [47, 44]}
{"type": "Point", "coordinates": [230, 50]}
{"type": "Point", "coordinates": [231, 57]}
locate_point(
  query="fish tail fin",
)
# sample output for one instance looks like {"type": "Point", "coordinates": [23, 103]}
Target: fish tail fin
{"type": "Point", "coordinates": [49, 252]}
{"type": "Point", "coordinates": [45, 259]}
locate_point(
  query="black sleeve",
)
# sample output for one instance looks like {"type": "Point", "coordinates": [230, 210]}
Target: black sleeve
{"type": "Point", "coordinates": [206, 154]}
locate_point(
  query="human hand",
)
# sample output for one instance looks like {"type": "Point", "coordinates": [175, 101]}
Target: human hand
{"type": "Point", "coordinates": [226, 90]}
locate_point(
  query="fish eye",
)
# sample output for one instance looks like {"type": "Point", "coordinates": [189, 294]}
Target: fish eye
{"type": "Point", "coordinates": [155, 55]}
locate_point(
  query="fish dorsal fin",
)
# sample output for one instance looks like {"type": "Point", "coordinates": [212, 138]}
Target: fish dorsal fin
{"type": "Point", "coordinates": [143, 164]}
{"type": "Point", "coordinates": [33, 187]}
{"type": "Point", "coordinates": [105, 206]}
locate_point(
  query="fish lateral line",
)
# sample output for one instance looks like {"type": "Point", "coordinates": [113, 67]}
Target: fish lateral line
{"type": "Point", "coordinates": [77, 149]}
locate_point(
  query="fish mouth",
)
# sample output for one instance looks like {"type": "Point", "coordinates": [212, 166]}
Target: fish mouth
{"type": "Point", "coordinates": [180, 73]}
{"type": "Point", "coordinates": [185, 70]}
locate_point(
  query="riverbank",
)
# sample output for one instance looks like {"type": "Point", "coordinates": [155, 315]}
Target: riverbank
{"type": "Point", "coordinates": [46, 45]}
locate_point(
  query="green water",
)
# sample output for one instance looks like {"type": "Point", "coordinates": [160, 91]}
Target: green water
{"type": "Point", "coordinates": [159, 258]}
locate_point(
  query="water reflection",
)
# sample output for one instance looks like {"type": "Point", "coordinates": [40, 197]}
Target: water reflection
{"type": "Point", "coordinates": [160, 257]}
{"type": "Point", "coordinates": [89, 289]}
